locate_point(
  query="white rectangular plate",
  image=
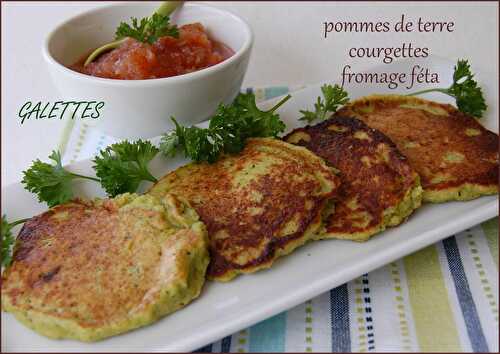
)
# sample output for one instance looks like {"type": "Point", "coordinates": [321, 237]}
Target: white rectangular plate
{"type": "Point", "coordinates": [224, 308]}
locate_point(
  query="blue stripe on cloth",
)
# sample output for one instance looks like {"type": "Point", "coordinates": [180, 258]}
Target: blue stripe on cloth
{"type": "Point", "coordinates": [339, 309]}
{"type": "Point", "coordinates": [368, 313]}
{"type": "Point", "coordinates": [205, 349]}
{"type": "Point", "coordinates": [100, 144]}
{"type": "Point", "coordinates": [225, 346]}
{"type": "Point", "coordinates": [469, 311]}
{"type": "Point", "coordinates": [269, 335]}
{"type": "Point", "coordinates": [271, 92]}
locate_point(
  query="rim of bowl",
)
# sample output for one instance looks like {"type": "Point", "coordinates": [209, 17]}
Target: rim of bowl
{"type": "Point", "coordinates": [246, 46]}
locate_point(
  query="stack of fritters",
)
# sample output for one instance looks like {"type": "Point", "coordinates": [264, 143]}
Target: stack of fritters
{"type": "Point", "coordinates": [378, 189]}
{"type": "Point", "coordinates": [257, 205]}
{"type": "Point", "coordinates": [90, 270]}
{"type": "Point", "coordinates": [455, 156]}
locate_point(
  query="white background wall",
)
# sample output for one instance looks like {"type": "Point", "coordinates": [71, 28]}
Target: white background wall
{"type": "Point", "coordinates": [289, 49]}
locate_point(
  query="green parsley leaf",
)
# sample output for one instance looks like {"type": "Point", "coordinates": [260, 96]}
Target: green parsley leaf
{"type": "Point", "coordinates": [468, 95]}
{"type": "Point", "coordinates": [51, 182]}
{"type": "Point", "coordinates": [121, 167]}
{"type": "Point", "coordinates": [228, 130]}
{"type": "Point", "coordinates": [8, 240]}
{"type": "Point", "coordinates": [148, 29]}
{"type": "Point", "coordinates": [170, 140]}
{"type": "Point", "coordinates": [334, 97]}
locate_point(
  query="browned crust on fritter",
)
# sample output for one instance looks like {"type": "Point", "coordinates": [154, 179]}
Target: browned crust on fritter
{"type": "Point", "coordinates": [243, 222]}
{"type": "Point", "coordinates": [375, 175]}
{"type": "Point", "coordinates": [42, 271]}
{"type": "Point", "coordinates": [93, 270]}
{"type": "Point", "coordinates": [426, 138]}
{"type": "Point", "coordinates": [274, 247]}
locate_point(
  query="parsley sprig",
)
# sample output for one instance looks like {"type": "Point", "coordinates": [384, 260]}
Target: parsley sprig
{"type": "Point", "coordinates": [468, 95]}
{"type": "Point", "coordinates": [228, 130]}
{"type": "Point", "coordinates": [334, 97]}
{"type": "Point", "coordinates": [120, 168]}
{"type": "Point", "coordinates": [51, 182]}
{"type": "Point", "coordinates": [148, 29]}
{"type": "Point", "coordinates": [8, 239]}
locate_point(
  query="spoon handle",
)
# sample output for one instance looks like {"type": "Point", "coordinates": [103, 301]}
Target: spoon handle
{"type": "Point", "coordinates": [167, 7]}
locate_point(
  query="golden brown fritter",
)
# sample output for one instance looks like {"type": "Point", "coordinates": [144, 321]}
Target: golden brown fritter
{"type": "Point", "coordinates": [378, 189]}
{"type": "Point", "coordinates": [257, 205]}
{"type": "Point", "coordinates": [90, 270]}
{"type": "Point", "coordinates": [456, 157]}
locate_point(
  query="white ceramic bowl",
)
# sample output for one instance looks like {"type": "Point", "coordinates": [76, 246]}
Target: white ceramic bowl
{"type": "Point", "coordinates": [142, 108]}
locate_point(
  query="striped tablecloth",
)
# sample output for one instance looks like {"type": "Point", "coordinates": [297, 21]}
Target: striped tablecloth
{"type": "Point", "coordinates": [442, 298]}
